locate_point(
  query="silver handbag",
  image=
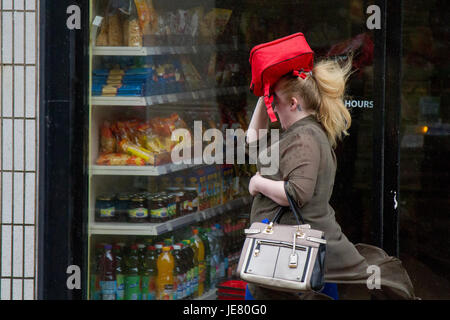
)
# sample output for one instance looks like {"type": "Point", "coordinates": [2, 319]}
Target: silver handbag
{"type": "Point", "coordinates": [283, 257]}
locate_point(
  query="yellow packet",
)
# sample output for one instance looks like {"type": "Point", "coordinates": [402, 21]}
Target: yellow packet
{"type": "Point", "coordinates": [136, 151]}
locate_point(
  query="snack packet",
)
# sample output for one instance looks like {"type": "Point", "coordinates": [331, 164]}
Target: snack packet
{"type": "Point", "coordinates": [132, 29]}
{"type": "Point", "coordinates": [107, 140]}
{"type": "Point", "coordinates": [119, 159]}
{"type": "Point", "coordinates": [137, 151]}
{"type": "Point", "coordinates": [102, 38]}
{"type": "Point", "coordinates": [115, 30]}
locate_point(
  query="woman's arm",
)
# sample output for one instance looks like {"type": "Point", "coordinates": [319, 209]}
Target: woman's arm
{"type": "Point", "coordinates": [297, 166]}
{"type": "Point", "coordinates": [259, 121]}
{"type": "Point", "coordinates": [270, 188]}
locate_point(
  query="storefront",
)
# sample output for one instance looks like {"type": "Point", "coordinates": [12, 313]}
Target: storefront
{"type": "Point", "coordinates": [117, 79]}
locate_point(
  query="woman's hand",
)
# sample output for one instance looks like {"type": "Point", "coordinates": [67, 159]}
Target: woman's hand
{"type": "Point", "coordinates": [254, 184]}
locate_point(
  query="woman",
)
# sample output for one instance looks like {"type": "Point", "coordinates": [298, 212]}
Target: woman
{"type": "Point", "coordinates": [314, 118]}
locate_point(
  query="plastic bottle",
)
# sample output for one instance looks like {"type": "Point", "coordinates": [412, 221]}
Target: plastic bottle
{"type": "Point", "coordinates": [220, 245]}
{"type": "Point", "coordinates": [164, 280]}
{"type": "Point", "coordinates": [142, 252]}
{"type": "Point", "coordinates": [108, 275]}
{"type": "Point", "coordinates": [149, 274]}
{"type": "Point", "coordinates": [133, 279]}
{"type": "Point", "coordinates": [215, 254]}
{"type": "Point", "coordinates": [95, 292]}
{"type": "Point", "coordinates": [212, 261]}
{"type": "Point", "coordinates": [228, 247]}
{"type": "Point", "coordinates": [201, 262]}
{"type": "Point", "coordinates": [186, 263]}
{"type": "Point", "coordinates": [189, 254]}
{"type": "Point", "coordinates": [159, 246]}
{"type": "Point", "coordinates": [204, 238]}
{"type": "Point", "coordinates": [196, 267]}
{"type": "Point", "coordinates": [119, 270]}
{"type": "Point", "coordinates": [179, 273]}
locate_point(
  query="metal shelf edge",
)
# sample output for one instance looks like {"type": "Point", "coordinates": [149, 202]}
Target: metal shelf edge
{"type": "Point", "coordinates": [166, 98]}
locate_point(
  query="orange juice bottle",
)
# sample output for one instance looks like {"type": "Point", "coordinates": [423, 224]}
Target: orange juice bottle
{"type": "Point", "coordinates": [164, 280]}
{"type": "Point", "coordinates": [201, 262]}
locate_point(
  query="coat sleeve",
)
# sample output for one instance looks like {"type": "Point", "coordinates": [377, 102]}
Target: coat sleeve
{"type": "Point", "coordinates": [299, 165]}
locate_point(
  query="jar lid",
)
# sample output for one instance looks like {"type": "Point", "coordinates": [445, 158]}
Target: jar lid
{"type": "Point", "coordinates": [123, 196]}
{"type": "Point", "coordinates": [173, 189]}
{"type": "Point", "coordinates": [105, 197]}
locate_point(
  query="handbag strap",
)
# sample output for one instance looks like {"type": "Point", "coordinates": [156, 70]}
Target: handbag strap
{"type": "Point", "coordinates": [294, 207]}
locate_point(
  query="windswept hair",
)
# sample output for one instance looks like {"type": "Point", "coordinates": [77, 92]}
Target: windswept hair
{"type": "Point", "coordinates": [323, 93]}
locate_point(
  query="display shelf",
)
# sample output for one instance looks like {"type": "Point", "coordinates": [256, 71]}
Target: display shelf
{"type": "Point", "coordinates": [154, 229]}
{"type": "Point", "coordinates": [166, 98]}
{"type": "Point", "coordinates": [160, 50]}
{"type": "Point", "coordinates": [97, 170]}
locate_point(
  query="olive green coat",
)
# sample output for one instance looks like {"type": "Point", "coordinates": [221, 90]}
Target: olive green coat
{"type": "Point", "coordinates": [308, 162]}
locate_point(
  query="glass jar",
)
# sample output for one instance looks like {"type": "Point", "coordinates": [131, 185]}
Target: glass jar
{"type": "Point", "coordinates": [105, 210]}
{"type": "Point", "coordinates": [171, 206]}
{"type": "Point", "coordinates": [122, 206]}
{"type": "Point", "coordinates": [158, 210]}
{"type": "Point", "coordinates": [191, 202]}
{"type": "Point", "coordinates": [179, 199]}
{"type": "Point", "coordinates": [138, 211]}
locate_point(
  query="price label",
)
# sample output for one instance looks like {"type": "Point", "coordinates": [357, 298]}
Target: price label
{"type": "Point", "coordinates": [97, 21]}
{"type": "Point", "coordinates": [195, 95]}
{"type": "Point", "coordinates": [159, 99]}
{"type": "Point", "coordinates": [169, 226]}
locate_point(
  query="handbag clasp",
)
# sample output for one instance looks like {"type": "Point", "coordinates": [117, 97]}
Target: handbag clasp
{"type": "Point", "coordinates": [269, 228]}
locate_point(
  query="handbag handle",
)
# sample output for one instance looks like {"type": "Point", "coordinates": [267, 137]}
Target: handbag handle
{"type": "Point", "coordinates": [294, 207]}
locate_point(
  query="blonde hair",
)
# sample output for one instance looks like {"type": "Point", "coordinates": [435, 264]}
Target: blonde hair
{"type": "Point", "coordinates": [323, 93]}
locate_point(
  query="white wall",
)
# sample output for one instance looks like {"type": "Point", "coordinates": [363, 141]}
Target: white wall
{"type": "Point", "coordinates": [19, 21]}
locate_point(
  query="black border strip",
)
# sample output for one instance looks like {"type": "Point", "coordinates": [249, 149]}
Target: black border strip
{"type": "Point", "coordinates": [391, 195]}
{"type": "Point", "coordinates": [64, 81]}
{"type": "Point", "coordinates": [378, 172]}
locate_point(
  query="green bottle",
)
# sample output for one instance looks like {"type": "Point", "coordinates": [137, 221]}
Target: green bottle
{"type": "Point", "coordinates": [133, 279]}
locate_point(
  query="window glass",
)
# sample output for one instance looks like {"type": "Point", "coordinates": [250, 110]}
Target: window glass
{"type": "Point", "coordinates": [425, 147]}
